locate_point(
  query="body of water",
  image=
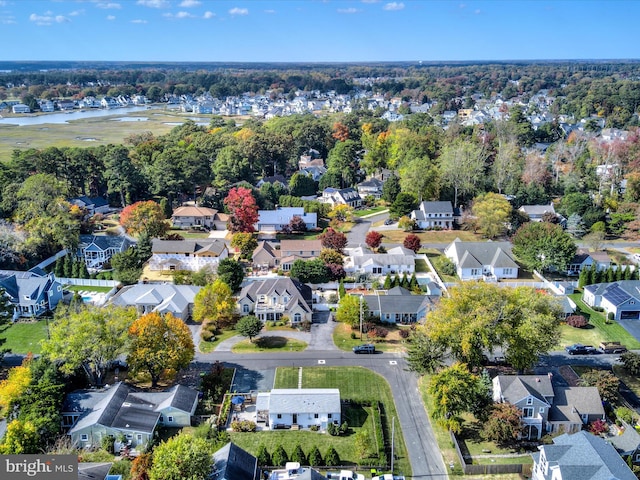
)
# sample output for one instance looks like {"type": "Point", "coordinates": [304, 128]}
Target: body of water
{"type": "Point", "coordinates": [66, 117]}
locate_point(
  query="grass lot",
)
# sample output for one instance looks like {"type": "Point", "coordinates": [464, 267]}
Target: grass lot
{"type": "Point", "coordinates": [421, 266]}
{"type": "Point", "coordinates": [433, 258]}
{"type": "Point", "coordinates": [586, 336]}
{"type": "Point", "coordinates": [23, 337]}
{"type": "Point", "coordinates": [357, 384]}
{"type": "Point", "coordinates": [298, 236]}
{"type": "Point", "coordinates": [269, 345]}
{"type": "Point", "coordinates": [342, 339]}
{"type": "Point", "coordinates": [369, 211]}
{"type": "Point", "coordinates": [207, 347]}
{"type": "Point", "coordinates": [443, 236]}
{"type": "Point", "coordinates": [88, 288]}
{"type": "Point", "coordinates": [84, 133]}
{"type": "Point", "coordinates": [194, 235]}
{"type": "Point", "coordinates": [631, 381]}
{"type": "Point", "coordinates": [613, 332]}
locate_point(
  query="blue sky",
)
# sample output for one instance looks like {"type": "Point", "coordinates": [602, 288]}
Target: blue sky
{"type": "Point", "coordinates": [317, 30]}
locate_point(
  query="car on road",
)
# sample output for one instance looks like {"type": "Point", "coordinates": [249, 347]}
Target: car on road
{"type": "Point", "coordinates": [365, 348]}
{"type": "Point", "coordinates": [579, 349]}
{"type": "Point", "coordinates": [388, 221]}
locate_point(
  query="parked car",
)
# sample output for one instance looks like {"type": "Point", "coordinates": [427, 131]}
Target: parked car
{"type": "Point", "coordinates": [388, 221]}
{"type": "Point", "coordinates": [579, 349]}
{"type": "Point", "coordinates": [612, 347]}
{"type": "Point", "coordinates": [365, 348]}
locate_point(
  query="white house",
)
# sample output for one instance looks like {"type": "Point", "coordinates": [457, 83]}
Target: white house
{"type": "Point", "coordinates": [299, 407]}
{"type": "Point", "coordinates": [396, 260]}
{"type": "Point", "coordinates": [273, 298]}
{"type": "Point", "coordinates": [21, 108]}
{"type": "Point", "coordinates": [96, 250]}
{"type": "Point", "coordinates": [620, 298]}
{"type": "Point", "coordinates": [161, 298]}
{"type": "Point", "coordinates": [191, 255]}
{"type": "Point", "coordinates": [434, 215]}
{"type": "Point", "coordinates": [275, 220]}
{"type": "Point", "coordinates": [189, 216]}
{"type": "Point", "coordinates": [482, 260]}
{"type": "Point", "coordinates": [343, 196]}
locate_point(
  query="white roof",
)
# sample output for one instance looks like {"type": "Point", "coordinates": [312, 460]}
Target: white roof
{"type": "Point", "coordinates": [304, 400]}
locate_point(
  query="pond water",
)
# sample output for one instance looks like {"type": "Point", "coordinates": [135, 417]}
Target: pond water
{"type": "Point", "coordinates": [66, 117]}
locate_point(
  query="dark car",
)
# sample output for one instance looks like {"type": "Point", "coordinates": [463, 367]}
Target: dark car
{"type": "Point", "coordinates": [579, 349]}
{"type": "Point", "coordinates": [365, 348]}
{"type": "Point", "coordinates": [388, 221]}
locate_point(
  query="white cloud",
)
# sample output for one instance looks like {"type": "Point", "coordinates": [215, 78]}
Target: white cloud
{"type": "Point", "coordinates": [190, 3]}
{"type": "Point", "coordinates": [109, 5]}
{"type": "Point", "coordinates": [370, 1]}
{"type": "Point", "coordinates": [239, 11]}
{"type": "Point", "coordinates": [477, 12]}
{"type": "Point", "coordinates": [348, 10]}
{"type": "Point", "coordinates": [270, 11]}
{"type": "Point", "coordinates": [462, 5]}
{"type": "Point", "coordinates": [153, 3]}
{"type": "Point", "coordinates": [208, 15]}
{"type": "Point", "coordinates": [137, 20]}
{"type": "Point", "coordinates": [394, 6]}
{"type": "Point", "coordinates": [48, 19]}
{"type": "Point", "coordinates": [178, 15]}
{"type": "Point", "coordinates": [111, 17]}
{"type": "Point", "coordinates": [8, 20]}
{"type": "Point", "coordinates": [75, 13]}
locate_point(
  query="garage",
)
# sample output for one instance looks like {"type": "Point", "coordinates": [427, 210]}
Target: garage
{"type": "Point", "coordinates": [630, 315]}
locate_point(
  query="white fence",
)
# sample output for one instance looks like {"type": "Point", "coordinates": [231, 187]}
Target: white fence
{"type": "Point", "coordinates": [89, 282]}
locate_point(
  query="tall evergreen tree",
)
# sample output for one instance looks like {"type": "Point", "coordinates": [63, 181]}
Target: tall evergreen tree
{"type": "Point", "coordinates": [341, 290]}
{"type": "Point", "coordinates": [583, 278]}
{"type": "Point", "coordinates": [414, 282]}
{"type": "Point", "coordinates": [387, 282]}
{"type": "Point", "coordinates": [68, 267]}
{"type": "Point", "coordinates": [404, 283]}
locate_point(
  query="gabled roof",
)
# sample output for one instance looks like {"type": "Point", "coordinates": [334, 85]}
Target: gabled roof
{"type": "Point", "coordinates": [266, 247]}
{"type": "Point", "coordinates": [298, 293]}
{"type": "Point", "coordinates": [517, 387]}
{"type": "Point", "coordinates": [537, 210]}
{"type": "Point", "coordinates": [233, 463]}
{"type": "Point", "coordinates": [103, 242]}
{"type": "Point", "coordinates": [397, 300]}
{"type": "Point", "coordinates": [181, 296]}
{"type": "Point", "coordinates": [300, 245]}
{"type": "Point", "coordinates": [20, 285]}
{"type": "Point", "coordinates": [194, 211]}
{"type": "Point", "coordinates": [188, 246]}
{"type": "Point", "coordinates": [583, 456]}
{"type": "Point", "coordinates": [437, 207]}
{"type": "Point", "coordinates": [477, 254]}
{"type": "Point", "coordinates": [304, 400]}
{"type": "Point", "coordinates": [616, 293]}
{"type": "Point", "coordinates": [570, 403]}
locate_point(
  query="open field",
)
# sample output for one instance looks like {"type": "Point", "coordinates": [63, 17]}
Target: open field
{"type": "Point", "coordinates": [87, 132]}
{"type": "Point", "coordinates": [357, 384]}
{"type": "Point", "coordinates": [23, 337]}
{"type": "Point", "coordinates": [369, 211]}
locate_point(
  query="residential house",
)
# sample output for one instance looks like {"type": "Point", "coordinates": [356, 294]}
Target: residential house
{"type": "Point", "coordinates": [398, 305]}
{"type": "Point", "coordinates": [299, 407]}
{"type": "Point", "coordinates": [315, 171]}
{"type": "Point", "coordinates": [579, 456]}
{"type": "Point", "coordinates": [583, 259]}
{"type": "Point", "coordinates": [233, 463]}
{"type": "Point", "coordinates": [190, 216]}
{"type": "Point", "coordinates": [265, 256]}
{"type": "Point", "coordinates": [96, 250]}
{"type": "Point", "coordinates": [537, 212]}
{"type": "Point", "coordinates": [370, 187]}
{"type": "Point", "coordinates": [119, 411]}
{"type": "Point", "coordinates": [191, 255]}
{"type": "Point", "coordinates": [275, 220]}
{"type": "Point", "coordinates": [96, 471]}
{"type": "Point", "coordinates": [277, 178]}
{"type": "Point", "coordinates": [311, 159]}
{"type": "Point", "coordinates": [292, 250]}
{"type": "Point", "coordinates": [341, 196]}
{"type": "Point", "coordinates": [621, 298]}
{"type": "Point", "coordinates": [161, 298]}
{"type": "Point", "coordinates": [482, 260]}
{"type": "Point", "coordinates": [547, 408]}
{"type": "Point", "coordinates": [397, 260]}
{"type": "Point", "coordinates": [271, 299]}
{"type": "Point", "coordinates": [20, 108]}
{"type": "Point", "coordinates": [627, 443]}
{"type": "Point", "coordinates": [434, 215]}
{"type": "Point", "coordinates": [92, 205]}
{"type": "Point", "coordinates": [31, 293]}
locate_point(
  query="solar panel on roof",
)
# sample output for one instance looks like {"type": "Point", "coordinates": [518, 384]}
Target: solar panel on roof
{"type": "Point", "coordinates": [616, 295]}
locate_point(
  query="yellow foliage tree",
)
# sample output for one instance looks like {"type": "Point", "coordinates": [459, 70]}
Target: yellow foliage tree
{"type": "Point", "coordinates": [212, 301]}
{"type": "Point", "coordinates": [14, 386]}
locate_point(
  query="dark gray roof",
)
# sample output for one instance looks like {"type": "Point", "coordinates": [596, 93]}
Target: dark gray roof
{"type": "Point", "coordinates": [516, 387]}
{"type": "Point", "coordinates": [572, 402]}
{"type": "Point", "coordinates": [187, 246]}
{"type": "Point", "coordinates": [396, 301]}
{"type": "Point", "coordinates": [627, 442]}
{"type": "Point", "coordinates": [93, 470]}
{"type": "Point", "coordinates": [477, 254]}
{"type": "Point", "coordinates": [104, 242]}
{"type": "Point", "coordinates": [583, 456]}
{"type": "Point", "coordinates": [297, 292]}
{"type": "Point", "coordinates": [616, 292]}
{"type": "Point", "coordinates": [20, 285]}
{"type": "Point", "coordinates": [233, 463]}
{"type": "Point", "coordinates": [437, 207]}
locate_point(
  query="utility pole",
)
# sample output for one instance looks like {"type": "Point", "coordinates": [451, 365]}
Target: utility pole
{"type": "Point", "coordinates": [393, 431]}
{"type": "Point", "coordinates": [361, 298]}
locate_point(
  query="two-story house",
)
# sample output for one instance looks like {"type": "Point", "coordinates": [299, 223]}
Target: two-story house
{"type": "Point", "coordinates": [97, 250]}
{"type": "Point", "coordinates": [341, 196]}
{"type": "Point", "coordinates": [31, 293]}
{"type": "Point", "coordinates": [275, 220]}
{"type": "Point", "coordinates": [621, 298]}
{"type": "Point", "coordinates": [265, 256]}
{"type": "Point", "coordinates": [397, 260]}
{"type": "Point", "coordinates": [434, 215]}
{"type": "Point", "coordinates": [162, 298]}
{"type": "Point", "coordinates": [370, 187]}
{"type": "Point", "coordinates": [192, 216]}
{"type": "Point", "coordinates": [488, 261]}
{"type": "Point", "coordinates": [580, 456]}
{"type": "Point", "coordinates": [547, 408]}
{"type": "Point", "coordinates": [191, 255]}
{"type": "Point", "coordinates": [271, 299]}
{"type": "Point", "coordinates": [292, 250]}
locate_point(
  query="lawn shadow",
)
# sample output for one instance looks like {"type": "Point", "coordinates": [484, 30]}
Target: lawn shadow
{"type": "Point", "coordinates": [271, 342]}
{"type": "Point", "coordinates": [355, 415]}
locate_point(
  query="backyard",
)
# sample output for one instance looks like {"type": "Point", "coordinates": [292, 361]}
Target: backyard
{"type": "Point", "coordinates": [342, 338]}
{"type": "Point", "coordinates": [23, 336]}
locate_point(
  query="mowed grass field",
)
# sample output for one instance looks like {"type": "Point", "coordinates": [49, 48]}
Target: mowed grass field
{"type": "Point", "coordinates": [87, 132]}
{"type": "Point", "coordinates": [23, 337]}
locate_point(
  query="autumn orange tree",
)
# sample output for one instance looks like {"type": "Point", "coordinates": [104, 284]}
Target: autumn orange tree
{"type": "Point", "coordinates": [144, 218]}
{"type": "Point", "coordinates": [243, 210]}
{"type": "Point", "coordinates": [159, 343]}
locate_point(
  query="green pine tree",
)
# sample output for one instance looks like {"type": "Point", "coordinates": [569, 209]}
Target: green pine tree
{"type": "Point", "coordinates": [299, 456]}
{"type": "Point", "coordinates": [331, 458]}
{"type": "Point", "coordinates": [413, 284]}
{"type": "Point", "coordinates": [593, 275]}
{"type": "Point", "coordinates": [387, 282]}
{"type": "Point", "coordinates": [628, 273]}
{"type": "Point", "coordinates": [634, 275]}
{"type": "Point", "coordinates": [619, 272]}
{"type": "Point", "coordinates": [279, 456]}
{"type": "Point", "coordinates": [68, 267]}
{"type": "Point", "coordinates": [396, 281]}
{"type": "Point", "coordinates": [583, 278]}
{"type": "Point", "coordinates": [610, 274]}
{"type": "Point", "coordinates": [341, 290]}
{"type": "Point", "coordinates": [75, 269]}
{"type": "Point", "coordinates": [264, 459]}
{"type": "Point", "coordinates": [84, 273]}
{"type": "Point", "coordinates": [404, 283]}
{"type": "Point", "coordinates": [58, 269]}
{"type": "Point", "coordinates": [315, 457]}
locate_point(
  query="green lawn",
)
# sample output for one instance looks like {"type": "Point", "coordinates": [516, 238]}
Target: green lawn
{"type": "Point", "coordinates": [586, 336]}
{"type": "Point", "coordinates": [88, 288]}
{"type": "Point", "coordinates": [23, 337]}
{"type": "Point", "coordinates": [421, 266]}
{"type": "Point", "coordinates": [444, 236]}
{"type": "Point", "coordinates": [207, 347]}
{"type": "Point", "coordinates": [356, 384]}
{"type": "Point", "coordinates": [269, 345]}
{"type": "Point", "coordinates": [369, 211]}
{"type": "Point", "coordinates": [342, 339]}
{"type": "Point", "coordinates": [298, 236]}
{"type": "Point", "coordinates": [613, 332]}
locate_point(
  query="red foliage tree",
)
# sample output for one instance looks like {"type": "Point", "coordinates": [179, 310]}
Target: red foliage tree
{"type": "Point", "coordinates": [577, 321]}
{"type": "Point", "coordinates": [144, 217]}
{"type": "Point", "coordinates": [333, 239]}
{"type": "Point", "coordinates": [340, 132]}
{"type": "Point", "coordinates": [373, 239]}
{"type": "Point", "coordinates": [243, 211]}
{"type": "Point", "coordinates": [598, 427]}
{"type": "Point", "coordinates": [336, 272]}
{"type": "Point", "coordinates": [412, 242]}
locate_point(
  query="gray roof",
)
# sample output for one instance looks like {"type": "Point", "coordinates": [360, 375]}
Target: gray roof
{"type": "Point", "coordinates": [267, 247]}
{"type": "Point", "coordinates": [104, 242]}
{"type": "Point", "coordinates": [188, 246]}
{"type": "Point", "coordinates": [382, 259]}
{"type": "Point", "coordinates": [437, 207]}
{"type": "Point", "coordinates": [477, 254]}
{"type": "Point", "coordinates": [616, 292]}
{"type": "Point", "coordinates": [572, 402]}
{"type": "Point", "coordinates": [537, 210]}
{"type": "Point", "coordinates": [165, 297]}
{"type": "Point", "coordinates": [298, 293]}
{"type": "Point", "coordinates": [628, 442]}
{"type": "Point", "coordinates": [397, 300]}
{"type": "Point", "coordinates": [517, 387]}
{"type": "Point", "coordinates": [583, 456]}
{"type": "Point", "coordinates": [93, 470]}
{"type": "Point", "coordinates": [20, 285]}
{"type": "Point", "coordinates": [233, 463]}
{"type": "Point", "coordinates": [304, 400]}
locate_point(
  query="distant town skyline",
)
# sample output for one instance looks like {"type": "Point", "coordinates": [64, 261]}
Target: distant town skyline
{"type": "Point", "coordinates": [316, 30]}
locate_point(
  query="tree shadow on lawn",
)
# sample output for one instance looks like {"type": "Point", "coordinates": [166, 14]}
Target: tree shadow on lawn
{"type": "Point", "coordinates": [271, 342]}
{"type": "Point", "coordinates": [355, 415]}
